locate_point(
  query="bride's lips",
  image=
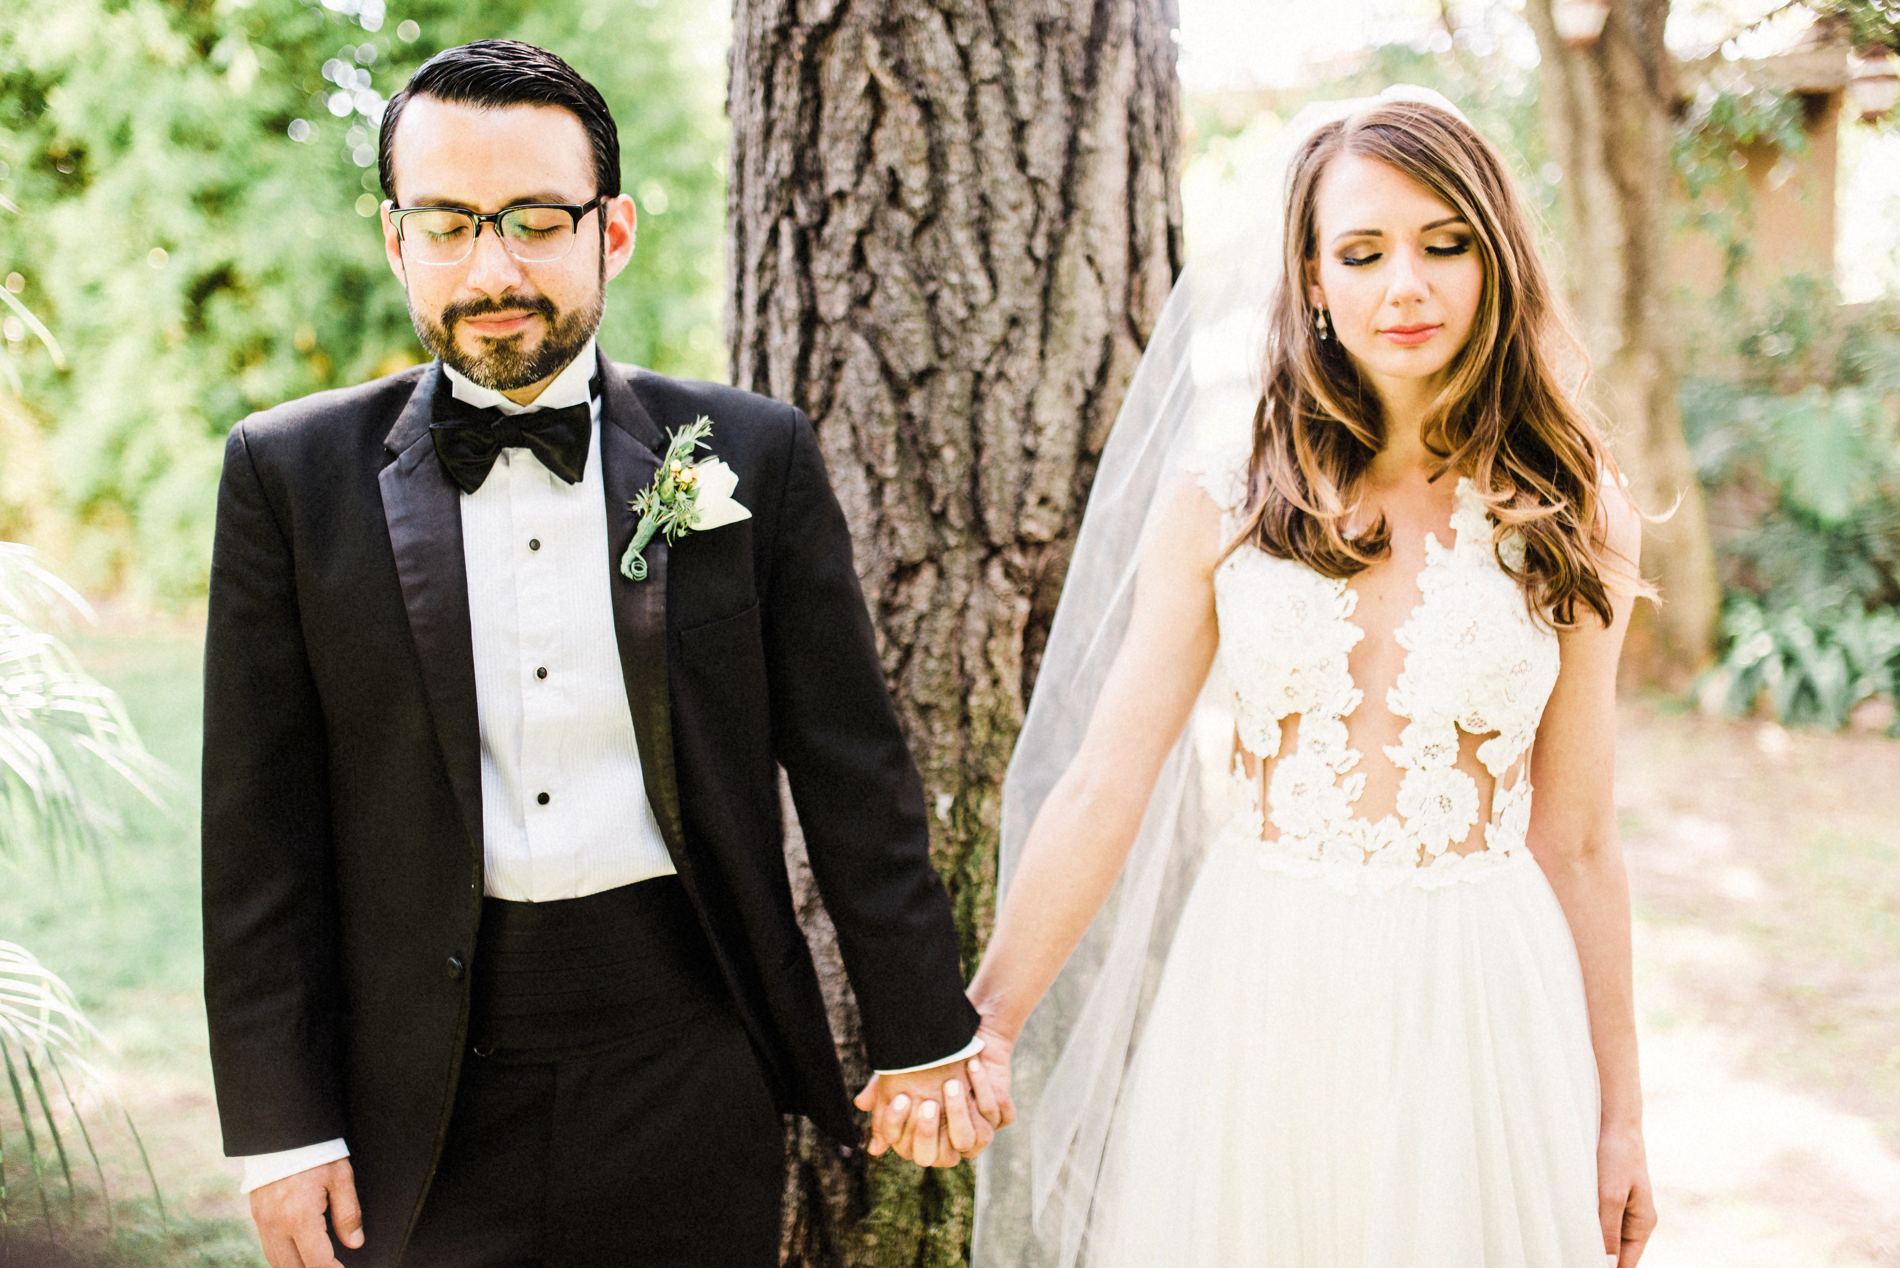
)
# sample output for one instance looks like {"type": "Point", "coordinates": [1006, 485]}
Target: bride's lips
{"type": "Point", "coordinates": [1409, 336]}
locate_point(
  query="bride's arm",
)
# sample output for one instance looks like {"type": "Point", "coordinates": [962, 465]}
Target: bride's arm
{"type": "Point", "coordinates": [1573, 837]}
{"type": "Point", "coordinates": [1081, 837]}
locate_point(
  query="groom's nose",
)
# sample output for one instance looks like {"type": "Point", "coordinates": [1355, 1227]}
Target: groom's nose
{"type": "Point", "coordinates": [491, 270]}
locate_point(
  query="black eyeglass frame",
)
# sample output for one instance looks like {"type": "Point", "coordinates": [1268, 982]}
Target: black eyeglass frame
{"type": "Point", "coordinates": [576, 212]}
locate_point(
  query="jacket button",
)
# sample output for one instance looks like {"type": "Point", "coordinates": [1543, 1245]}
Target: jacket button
{"type": "Point", "coordinates": [456, 968]}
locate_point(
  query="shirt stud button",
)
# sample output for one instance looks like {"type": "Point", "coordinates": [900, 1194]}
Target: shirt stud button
{"type": "Point", "coordinates": [542, 799]}
{"type": "Point", "coordinates": [534, 543]}
{"type": "Point", "coordinates": [542, 672]}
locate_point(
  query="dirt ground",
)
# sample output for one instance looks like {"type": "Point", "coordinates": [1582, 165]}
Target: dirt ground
{"type": "Point", "coordinates": [1765, 866]}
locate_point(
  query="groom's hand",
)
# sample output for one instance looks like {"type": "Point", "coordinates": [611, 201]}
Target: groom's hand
{"type": "Point", "coordinates": [290, 1216]}
{"type": "Point", "coordinates": [934, 1117]}
{"type": "Point", "coordinates": [952, 1134]}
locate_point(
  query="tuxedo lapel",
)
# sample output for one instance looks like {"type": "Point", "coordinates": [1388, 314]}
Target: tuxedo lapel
{"type": "Point", "coordinates": [421, 506]}
{"type": "Point", "coordinates": [630, 447]}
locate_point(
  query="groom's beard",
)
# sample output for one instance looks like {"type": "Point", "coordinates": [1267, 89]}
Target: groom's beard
{"type": "Point", "coordinates": [503, 365]}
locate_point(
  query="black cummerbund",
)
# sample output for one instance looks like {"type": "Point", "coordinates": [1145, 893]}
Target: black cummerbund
{"type": "Point", "coordinates": [585, 970]}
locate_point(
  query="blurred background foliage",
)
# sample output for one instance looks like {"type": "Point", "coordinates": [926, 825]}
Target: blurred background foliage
{"type": "Point", "coordinates": [1798, 445]}
{"type": "Point", "coordinates": [187, 201]}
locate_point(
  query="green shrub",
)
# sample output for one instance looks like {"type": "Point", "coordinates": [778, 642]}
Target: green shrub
{"type": "Point", "coordinates": [1814, 665]}
{"type": "Point", "coordinates": [1800, 453]}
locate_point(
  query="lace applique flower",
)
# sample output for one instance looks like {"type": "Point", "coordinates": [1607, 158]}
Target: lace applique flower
{"type": "Point", "coordinates": [1425, 744]}
{"type": "Point", "coordinates": [1307, 797]}
{"type": "Point", "coordinates": [1439, 806]}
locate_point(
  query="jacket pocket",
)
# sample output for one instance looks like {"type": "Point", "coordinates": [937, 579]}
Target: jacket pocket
{"type": "Point", "coordinates": [725, 643]}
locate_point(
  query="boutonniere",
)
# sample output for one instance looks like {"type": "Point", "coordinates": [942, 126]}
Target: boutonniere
{"type": "Point", "coordinates": [685, 497]}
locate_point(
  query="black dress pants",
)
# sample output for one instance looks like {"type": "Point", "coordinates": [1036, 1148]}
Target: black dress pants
{"type": "Point", "coordinates": [610, 1110]}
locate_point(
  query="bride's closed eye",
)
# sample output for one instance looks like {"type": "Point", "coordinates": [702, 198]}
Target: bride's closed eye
{"type": "Point", "coordinates": [1443, 251]}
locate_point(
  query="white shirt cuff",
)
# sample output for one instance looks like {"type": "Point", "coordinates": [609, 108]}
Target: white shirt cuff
{"type": "Point", "coordinates": [962, 1054]}
{"type": "Point", "coordinates": [263, 1169]}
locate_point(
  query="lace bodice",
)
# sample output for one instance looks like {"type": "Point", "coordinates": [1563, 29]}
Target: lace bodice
{"type": "Point", "coordinates": [1475, 661]}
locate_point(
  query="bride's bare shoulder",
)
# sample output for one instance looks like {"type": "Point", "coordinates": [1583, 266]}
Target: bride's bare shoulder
{"type": "Point", "coordinates": [1189, 532]}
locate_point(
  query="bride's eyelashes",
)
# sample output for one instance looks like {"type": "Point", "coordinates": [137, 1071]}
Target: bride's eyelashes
{"type": "Point", "coordinates": [1457, 246]}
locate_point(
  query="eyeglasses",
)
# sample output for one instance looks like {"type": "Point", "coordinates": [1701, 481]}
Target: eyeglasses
{"type": "Point", "coordinates": [534, 233]}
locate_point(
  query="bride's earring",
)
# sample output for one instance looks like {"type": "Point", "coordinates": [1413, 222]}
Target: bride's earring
{"type": "Point", "coordinates": [1323, 323]}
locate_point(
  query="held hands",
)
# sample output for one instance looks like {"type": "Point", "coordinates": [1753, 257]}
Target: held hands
{"type": "Point", "coordinates": [943, 1115]}
{"type": "Point", "coordinates": [289, 1216]}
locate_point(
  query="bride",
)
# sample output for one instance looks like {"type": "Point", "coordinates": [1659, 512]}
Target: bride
{"type": "Point", "coordinates": [1353, 999]}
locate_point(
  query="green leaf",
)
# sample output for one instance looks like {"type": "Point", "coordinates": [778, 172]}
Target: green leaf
{"type": "Point", "coordinates": [52, 1129]}
{"type": "Point", "coordinates": [1822, 454]}
{"type": "Point", "coordinates": [26, 1126]}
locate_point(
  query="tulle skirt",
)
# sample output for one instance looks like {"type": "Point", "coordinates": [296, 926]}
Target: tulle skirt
{"type": "Point", "coordinates": [1397, 1079]}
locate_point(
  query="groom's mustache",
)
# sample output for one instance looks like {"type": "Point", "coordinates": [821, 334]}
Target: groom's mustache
{"type": "Point", "coordinates": [485, 306]}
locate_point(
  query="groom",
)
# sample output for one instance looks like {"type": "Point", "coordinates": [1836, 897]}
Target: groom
{"type": "Point", "coordinates": [501, 962]}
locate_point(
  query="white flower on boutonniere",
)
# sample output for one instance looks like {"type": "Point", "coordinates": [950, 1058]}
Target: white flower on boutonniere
{"type": "Point", "coordinates": [685, 497]}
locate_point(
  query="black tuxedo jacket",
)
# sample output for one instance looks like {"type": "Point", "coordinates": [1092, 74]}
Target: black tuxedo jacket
{"type": "Point", "coordinates": [342, 786]}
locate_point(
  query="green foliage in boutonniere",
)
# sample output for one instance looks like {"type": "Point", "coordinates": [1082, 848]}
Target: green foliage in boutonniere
{"type": "Point", "coordinates": [685, 497]}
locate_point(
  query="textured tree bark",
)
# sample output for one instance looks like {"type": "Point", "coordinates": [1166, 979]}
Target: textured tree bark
{"type": "Point", "coordinates": [953, 225]}
{"type": "Point", "coordinates": [1607, 106]}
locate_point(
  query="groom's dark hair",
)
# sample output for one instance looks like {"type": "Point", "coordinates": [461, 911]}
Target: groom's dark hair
{"type": "Point", "coordinates": [491, 74]}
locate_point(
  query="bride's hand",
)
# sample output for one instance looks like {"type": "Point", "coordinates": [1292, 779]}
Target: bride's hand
{"type": "Point", "coordinates": [1625, 1202]}
{"type": "Point", "coordinates": [989, 1076]}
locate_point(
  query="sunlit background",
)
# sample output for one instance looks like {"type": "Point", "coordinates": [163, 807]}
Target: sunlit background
{"type": "Point", "coordinates": [187, 234]}
{"type": "Point", "coordinates": [1295, 48]}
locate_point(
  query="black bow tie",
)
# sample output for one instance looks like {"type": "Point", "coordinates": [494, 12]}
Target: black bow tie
{"type": "Point", "coordinates": [468, 439]}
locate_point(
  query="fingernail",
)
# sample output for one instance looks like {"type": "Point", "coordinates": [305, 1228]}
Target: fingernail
{"type": "Point", "coordinates": [953, 1088]}
{"type": "Point", "coordinates": [899, 1103]}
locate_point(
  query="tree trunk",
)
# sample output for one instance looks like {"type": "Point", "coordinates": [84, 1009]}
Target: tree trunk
{"type": "Point", "coordinates": [1608, 105]}
{"type": "Point", "coordinates": [952, 227]}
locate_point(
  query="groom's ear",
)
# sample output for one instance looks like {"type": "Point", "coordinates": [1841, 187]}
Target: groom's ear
{"type": "Point", "coordinates": [392, 245]}
{"type": "Point", "coordinates": [622, 223]}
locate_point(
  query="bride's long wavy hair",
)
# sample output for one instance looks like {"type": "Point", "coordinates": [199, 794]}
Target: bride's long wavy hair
{"type": "Point", "coordinates": [1503, 418]}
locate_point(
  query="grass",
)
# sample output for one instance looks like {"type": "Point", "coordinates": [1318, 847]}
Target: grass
{"type": "Point", "coordinates": [123, 930]}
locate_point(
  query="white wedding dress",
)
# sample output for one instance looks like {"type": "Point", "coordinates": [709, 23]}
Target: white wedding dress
{"type": "Point", "coordinates": [1369, 1046]}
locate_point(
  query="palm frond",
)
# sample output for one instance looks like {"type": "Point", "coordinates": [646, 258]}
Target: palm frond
{"type": "Point", "coordinates": [67, 748]}
{"type": "Point", "coordinates": [68, 756]}
{"type": "Point", "coordinates": [32, 1140]}
{"type": "Point", "coordinates": [34, 593]}
{"type": "Point", "coordinates": [43, 1036]}
{"type": "Point", "coordinates": [85, 1135]}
